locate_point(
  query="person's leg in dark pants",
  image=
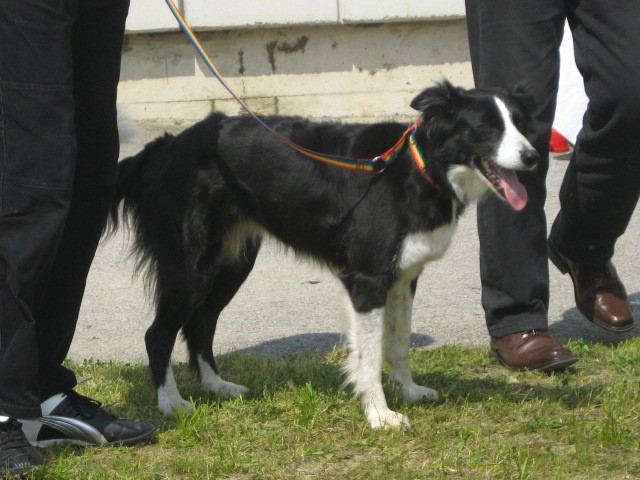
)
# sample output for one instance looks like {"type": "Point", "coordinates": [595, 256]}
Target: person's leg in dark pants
{"type": "Point", "coordinates": [67, 416]}
{"type": "Point", "coordinates": [47, 243]}
{"type": "Point", "coordinates": [513, 42]}
{"type": "Point", "coordinates": [601, 186]}
{"type": "Point", "coordinates": [97, 45]}
{"type": "Point", "coordinates": [37, 159]}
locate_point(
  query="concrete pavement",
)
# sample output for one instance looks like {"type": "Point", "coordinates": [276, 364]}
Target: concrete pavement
{"type": "Point", "coordinates": [288, 307]}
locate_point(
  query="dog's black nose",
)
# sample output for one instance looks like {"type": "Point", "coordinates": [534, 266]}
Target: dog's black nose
{"type": "Point", "coordinates": [529, 157]}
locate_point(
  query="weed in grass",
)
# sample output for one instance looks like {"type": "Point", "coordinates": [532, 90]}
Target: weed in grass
{"type": "Point", "coordinates": [612, 430]}
{"type": "Point", "coordinates": [189, 424]}
{"type": "Point", "coordinates": [309, 405]}
{"type": "Point", "coordinates": [581, 348]}
{"type": "Point", "coordinates": [627, 362]}
{"type": "Point", "coordinates": [524, 462]}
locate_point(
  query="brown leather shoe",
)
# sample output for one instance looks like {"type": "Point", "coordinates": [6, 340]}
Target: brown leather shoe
{"type": "Point", "coordinates": [600, 295]}
{"type": "Point", "coordinates": [531, 350]}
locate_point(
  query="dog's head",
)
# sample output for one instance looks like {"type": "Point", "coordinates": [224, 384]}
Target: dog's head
{"type": "Point", "coordinates": [477, 139]}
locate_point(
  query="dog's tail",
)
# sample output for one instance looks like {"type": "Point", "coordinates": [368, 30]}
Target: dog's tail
{"type": "Point", "coordinates": [130, 180]}
{"type": "Point", "coordinates": [133, 175]}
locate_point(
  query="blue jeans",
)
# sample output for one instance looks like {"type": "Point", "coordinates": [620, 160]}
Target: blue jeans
{"type": "Point", "coordinates": [59, 71]}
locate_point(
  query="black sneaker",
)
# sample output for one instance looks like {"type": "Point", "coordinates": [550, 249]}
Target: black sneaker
{"type": "Point", "coordinates": [73, 418]}
{"type": "Point", "coordinates": [17, 456]}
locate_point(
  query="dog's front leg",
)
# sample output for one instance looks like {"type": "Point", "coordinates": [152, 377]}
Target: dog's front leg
{"type": "Point", "coordinates": [397, 339]}
{"type": "Point", "coordinates": [364, 364]}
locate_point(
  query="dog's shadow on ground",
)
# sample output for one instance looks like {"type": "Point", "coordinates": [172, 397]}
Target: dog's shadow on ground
{"type": "Point", "coordinates": [314, 344]}
{"type": "Point", "coordinates": [574, 326]}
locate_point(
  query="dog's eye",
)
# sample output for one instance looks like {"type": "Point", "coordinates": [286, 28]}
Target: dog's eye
{"type": "Point", "coordinates": [488, 128]}
{"type": "Point", "coordinates": [490, 124]}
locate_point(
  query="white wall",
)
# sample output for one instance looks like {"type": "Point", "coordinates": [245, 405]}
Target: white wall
{"type": "Point", "coordinates": [151, 16]}
{"type": "Point", "coordinates": [154, 15]}
{"type": "Point", "coordinates": [370, 11]}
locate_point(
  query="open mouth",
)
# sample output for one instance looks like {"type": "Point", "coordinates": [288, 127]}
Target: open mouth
{"type": "Point", "coordinates": [504, 182]}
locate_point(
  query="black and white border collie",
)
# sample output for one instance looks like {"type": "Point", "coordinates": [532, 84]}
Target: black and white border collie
{"type": "Point", "coordinates": [201, 201]}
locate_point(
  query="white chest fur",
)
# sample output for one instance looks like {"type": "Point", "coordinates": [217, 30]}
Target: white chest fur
{"type": "Point", "coordinates": [421, 247]}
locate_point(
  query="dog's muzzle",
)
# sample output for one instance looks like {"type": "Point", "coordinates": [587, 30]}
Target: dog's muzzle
{"type": "Point", "coordinates": [530, 157]}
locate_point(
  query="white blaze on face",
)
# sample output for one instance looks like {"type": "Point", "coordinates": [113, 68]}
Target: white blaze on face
{"type": "Point", "coordinates": [509, 159]}
{"type": "Point", "coordinates": [512, 142]}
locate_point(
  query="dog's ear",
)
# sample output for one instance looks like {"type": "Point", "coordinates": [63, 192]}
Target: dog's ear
{"type": "Point", "coordinates": [440, 99]}
{"type": "Point", "coordinates": [438, 105]}
{"type": "Point", "coordinates": [521, 94]}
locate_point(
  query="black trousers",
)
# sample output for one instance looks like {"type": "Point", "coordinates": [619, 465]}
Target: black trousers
{"type": "Point", "coordinates": [515, 41]}
{"type": "Point", "coordinates": [59, 71]}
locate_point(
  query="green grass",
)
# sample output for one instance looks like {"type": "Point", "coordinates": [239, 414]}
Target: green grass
{"type": "Point", "coordinates": [299, 423]}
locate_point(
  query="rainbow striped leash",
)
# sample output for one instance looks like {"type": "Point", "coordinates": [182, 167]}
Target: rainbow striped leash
{"type": "Point", "coordinates": [374, 165]}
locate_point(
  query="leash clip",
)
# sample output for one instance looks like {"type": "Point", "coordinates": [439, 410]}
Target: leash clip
{"type": "Point", "coordinates": [378, 164]}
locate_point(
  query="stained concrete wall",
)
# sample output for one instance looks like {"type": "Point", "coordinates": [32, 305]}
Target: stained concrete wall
{"type": "Point", "coordinates": [351, 68]}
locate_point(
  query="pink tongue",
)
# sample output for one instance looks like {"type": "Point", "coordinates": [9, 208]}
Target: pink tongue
{"type": "Point", "coordinates": [514, 191]}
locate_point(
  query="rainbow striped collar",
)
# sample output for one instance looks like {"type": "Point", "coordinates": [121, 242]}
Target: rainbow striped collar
{"type": "Point", "coordinates": [408, 139]}
{"type": "Point", "coordinates": [418, 158]}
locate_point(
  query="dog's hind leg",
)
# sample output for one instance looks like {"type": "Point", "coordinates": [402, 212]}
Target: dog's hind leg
{"type": "Point", "coordinates": [366, 313]}
{"type": "Point", "coordinates": [397, 338]}
{"type": "Point", "coordinates": [200, 329]}
{"type": "Point", "coordinates": [172, 309]}
{"type": "Point", "coordinates": [221, 246]}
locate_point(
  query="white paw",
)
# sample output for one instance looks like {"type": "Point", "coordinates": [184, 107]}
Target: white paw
{"type": "Point", "coordinates": [227, 390]}
{"type": "Point", "coordinates": [169, 407]}
{"type": "Point", "coordinates": [387, 419]}
{"type": "Point", "coordinates": [415, 393]}
{"type": "Point", "coordinates": [212, 382]}
{"type": "Point", "coordinates": [169, 399]}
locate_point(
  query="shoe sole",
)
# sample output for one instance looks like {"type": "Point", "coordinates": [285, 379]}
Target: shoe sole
{"type": "Point", "coordinates": [556, 366]}
{"type": "Point", "coordinates": [129, 442]}
{"type": "Point", "coordinates": [584, 310]}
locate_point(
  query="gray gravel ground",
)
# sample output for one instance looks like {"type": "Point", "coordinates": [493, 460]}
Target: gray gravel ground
{"type": "Point", "coordinates": [289, 307]}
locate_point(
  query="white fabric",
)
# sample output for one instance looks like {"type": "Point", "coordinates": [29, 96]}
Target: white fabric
{"type": "Point", "coordinates": [572, 99]}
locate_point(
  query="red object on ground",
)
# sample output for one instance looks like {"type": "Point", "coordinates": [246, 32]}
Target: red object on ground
{"type": "Point", "coordinates": [558, 143]}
